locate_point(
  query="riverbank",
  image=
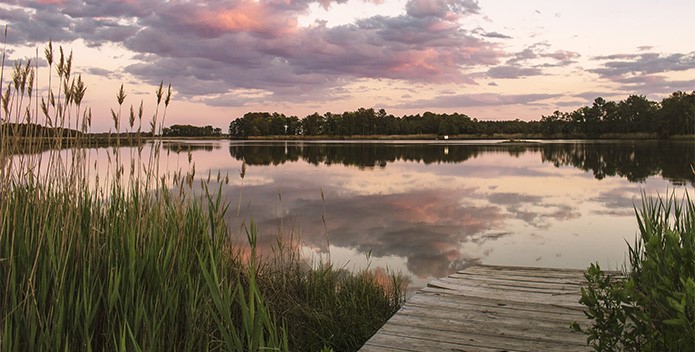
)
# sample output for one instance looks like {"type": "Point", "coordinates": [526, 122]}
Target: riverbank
{"type": "Point", "coordinates": [124, 268]}
{"type": "Point", "coordinates": [120, 256]}
{"type": "Point", "coordinates": [506, 136]}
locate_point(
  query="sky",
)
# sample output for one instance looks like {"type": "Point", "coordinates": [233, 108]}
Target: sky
{"type": "Point", "coordinates": [488, 59]}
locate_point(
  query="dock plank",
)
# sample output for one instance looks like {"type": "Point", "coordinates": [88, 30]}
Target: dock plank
{"type": "Point", "coordinates": [490, 308]}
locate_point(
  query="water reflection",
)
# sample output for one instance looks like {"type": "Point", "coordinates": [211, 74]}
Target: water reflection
{"type": "Point", "coordinates": [427, 209]}
{"type": "Point", "coordinates": [188, 146]}
{"type": "Point", "coordinates": [431, 208]}
{"type": "Point", "coordinates": [635, 161]}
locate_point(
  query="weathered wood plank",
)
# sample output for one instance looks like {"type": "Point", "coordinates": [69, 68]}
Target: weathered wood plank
{"type": "Point", "coordinates": [444, 295]}
{"type": "Point", "coordinates": [521, 280]}
{"type": "Point", "coordinates": [480, 315]}
{"type": "Point", "coordinates": [488, 308]}
{"type": "Point", "coordinates": [514, 285]}
{"type": "Point", "coordinates": [531, 330]}
{"type": "Point", "coordinates": [525, 270]}
{"type": "Point", "coordinates": [564, 300]}
{"type": "Point", "coordinates": [445, 340]}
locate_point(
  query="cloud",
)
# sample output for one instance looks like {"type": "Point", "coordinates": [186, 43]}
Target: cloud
{"type": "Point", "coordinates": [592, 95]}
{"type": "Point", "coordinates": [572, 103]}
{"type": "Point", "coordinates": [618, 201]}
{"type": "Point", "coordinates": [562, 55]}
{"type": "Point", "coordinates": [533, 209]}
{"type": "Point", "coordinates": [425, 227]}
{"type": "Point", "coordinates": [531, 60]}
{"type": "Point", "coordinates": [513, 72]}
{"type": "Point", "coordinates": [646, 72]}
{"type": "Point", "coordinates": [449, 9]}
{"type": "Point", "coordinates": [617, 66]}
{"type": "Point", "coordinates": [496, 35]}
{"type": "Point", "coordinates": [483, 99]}
{"type": "Point", "coordinates": [654, 84]}
{"type": "Point", "coordinates": [99, 72]}
{"type": "Point", "coordinates": [219, 46]}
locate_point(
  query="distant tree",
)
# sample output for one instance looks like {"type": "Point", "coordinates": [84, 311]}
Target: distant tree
{"type": "Point", "coordinates": [637, 114]}
{"type": "Point", "coordinates": [677, 114]}
{"type": "Point", "coordinates": [313, 125]}
{"type": "Point", "coordinates": [333, 124]}
{"type": "Point", "coordinates": [556, 123]}
{"type": "Point", "coordinates": [190, 131]}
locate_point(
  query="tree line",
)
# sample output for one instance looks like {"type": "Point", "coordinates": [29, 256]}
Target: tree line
{"type": "Point", "coordinates": [191, 131]}
{"type": "Point", "coordinates": [674, 115]}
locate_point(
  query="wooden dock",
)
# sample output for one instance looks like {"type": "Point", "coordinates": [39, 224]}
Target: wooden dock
{"type": "Point", "coordinates": [490, 308]}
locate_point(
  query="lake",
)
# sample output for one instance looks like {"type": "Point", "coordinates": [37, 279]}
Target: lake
{"type": "Point", "coordinates": [429, 208]}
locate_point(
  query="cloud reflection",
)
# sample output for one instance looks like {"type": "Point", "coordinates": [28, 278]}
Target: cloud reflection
{"type": "Point", "coordinates": [426, 227]}
{"type": "Point", "coordinates": [431, 213]}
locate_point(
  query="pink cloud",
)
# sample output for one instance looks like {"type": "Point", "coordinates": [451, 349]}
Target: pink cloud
{"type": "Point", "coordinates": [244, 16]}
{"type": "Point", "coordinates": [221, 46]}
{"type": "Point", "coordinates": [562, 55]}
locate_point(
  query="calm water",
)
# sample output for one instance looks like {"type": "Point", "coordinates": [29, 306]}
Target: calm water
{"type": "Point", "coordinates": [429, 208]}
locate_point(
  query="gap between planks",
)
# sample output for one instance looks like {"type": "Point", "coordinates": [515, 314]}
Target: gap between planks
{"type": "Point", "coordinates": [490, 308]}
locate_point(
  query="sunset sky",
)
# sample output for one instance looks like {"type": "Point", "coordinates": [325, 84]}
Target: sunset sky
{"type": "Point", "coordinates": [489, 59]}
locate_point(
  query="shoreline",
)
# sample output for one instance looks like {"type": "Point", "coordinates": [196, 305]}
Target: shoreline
{"type": "Point", "coordinates": [428, 137]}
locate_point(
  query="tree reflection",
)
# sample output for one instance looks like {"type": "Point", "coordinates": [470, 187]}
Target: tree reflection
{"type": "Point", "coordinates": [184, 147]}
{"type": "Point", "coordinates": [635, 161]}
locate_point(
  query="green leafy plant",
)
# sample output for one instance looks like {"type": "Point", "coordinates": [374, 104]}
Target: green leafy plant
{"type": "Point", "coordinates": [651, 307]}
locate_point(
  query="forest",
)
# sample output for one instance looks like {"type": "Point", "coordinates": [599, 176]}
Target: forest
{"type": "Point", "coordinates": [674, 115]}
{"type": "Point", "coordinates": [191, 131]}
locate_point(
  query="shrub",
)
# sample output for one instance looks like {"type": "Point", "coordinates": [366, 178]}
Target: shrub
{"type": "Point", "coordinates": [651, 308]}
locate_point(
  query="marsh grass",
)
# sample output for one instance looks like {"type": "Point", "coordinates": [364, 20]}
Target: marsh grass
{"type": "Point", "coordinates": [141, 260]}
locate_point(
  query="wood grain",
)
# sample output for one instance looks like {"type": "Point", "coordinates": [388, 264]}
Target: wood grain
{"type": "Point", "coordinates": [490, 308]}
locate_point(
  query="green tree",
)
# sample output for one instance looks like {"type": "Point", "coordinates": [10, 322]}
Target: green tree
{"type": "Point", "coordinates": [677, 114]}
{"type": "Point", "coordinates": [313, 125]}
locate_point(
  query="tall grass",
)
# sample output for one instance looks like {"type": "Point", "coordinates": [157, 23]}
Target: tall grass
{"type": "Point", "coordinates": [140, 260]}
{"type": "Point", "coordinates": [653, 307]}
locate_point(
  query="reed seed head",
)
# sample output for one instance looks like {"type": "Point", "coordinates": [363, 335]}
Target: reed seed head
{"type": "Point", "coordinates": [44, 107]}
{"type": "Point", "coordinates": [68, 66]}
{"type": "Point", "coordinates": [79, 90]}
{"type": "Point", "coordinates": [60, 68]}
{"type": "Point", "coordinates": [168, 98]}
{"type": "Point", "coordinates": [121, 95]}
{"type": "Point", "coordinates": [140, 111]}
{"type": "Point", "coordinates": [6, 99]}
{"type": "Point", "coordinates": [159, 92]}
{"type": "Point", "coordinates": [48, 51]}
{"type": "Point", "coordinates": [32, 77]}
{"type": "Point", "coordinates": [131, 118]}
{"type": "Point", "coordinates": [114, 116]}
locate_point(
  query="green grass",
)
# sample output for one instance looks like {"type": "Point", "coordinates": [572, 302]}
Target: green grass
{"type": "Point", "coordinates": [144, 260]}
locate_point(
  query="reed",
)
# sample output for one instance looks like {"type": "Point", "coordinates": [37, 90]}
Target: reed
{"type": "Point", "coordinates": [141, 260]}
{"type": "Point", "coordinates": [651, 308]}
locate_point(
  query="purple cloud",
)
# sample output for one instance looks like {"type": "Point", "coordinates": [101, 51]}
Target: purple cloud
{"type": "Point", "coordinates": [645, 63]}
{"type": "Point", "coordinates": [485, 99]}
{"type": "Point", "coordinates": [643, 72]}
{"type": "Point", "coordinates": [496, 35]}
{"type": "Point", "coordinates": [441, 8]}
{"type": "Point", "coordinates": [513, 72]}
{"type": "Point", "coordinates": [220, 46]}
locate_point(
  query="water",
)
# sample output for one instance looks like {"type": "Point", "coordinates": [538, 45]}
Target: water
{"type": "Point", "coordinates": [427, 209]}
